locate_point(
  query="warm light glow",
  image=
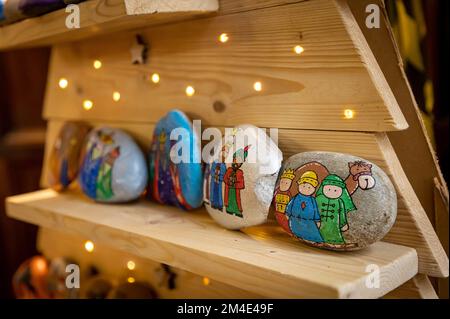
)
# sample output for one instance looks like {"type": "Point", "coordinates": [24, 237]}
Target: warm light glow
{"type": "Point", "coordinates": [87, 104]}
{"type": "Point", "coordinates": [63, 83]}
{"type": "Point", "coordinates": [223, 37]}
{"type": "Point", "coordinates": [39, 265]}
{"type": "Point", "coordinates": [89, 246]}
{"type": "Point", "coordinates": [349, 114]}
{"type": "Point", "coordinates": [131, 280]}
{"type": "Point", "coordinates": [97, 64]}
{"type": "Point", "coordinates": [116, 96]}
{"type": "Point", "coordinates": [131, 265]}
{"type": "Point", "coordinates": [206, 281]}
{"type": "Point", "coordinates": [299, 49]}
{"type": "Point", "coordinates": [155, 78]}
{"type": "Point", "coordinates": [257, 86]}
{"type": "Point", "coordinates": [190, 91]}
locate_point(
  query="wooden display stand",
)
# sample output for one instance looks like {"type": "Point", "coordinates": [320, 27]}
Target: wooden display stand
{"type": "Point", "coordinates": [308, 96]}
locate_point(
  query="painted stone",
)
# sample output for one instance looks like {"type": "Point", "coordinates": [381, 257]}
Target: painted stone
{"type": "Point", "coordinates": [96, 287]}
{"type": "Point", "coordinates": [64, 159]}
{"type": "Point", "coordinates": [175, 163]}
{"type": "Point", "coordinates": [334, 201]}
{"type": "Point", "coordinates": [30, 279]}
{"type": "Point", "coordinates": [56, 281]}
{"type": "Point", "coordinates": [136, 290]}
{"type": "Point", "coordinates": [239, 180]}
{"type": "Point", "coordinates": [113, 169]}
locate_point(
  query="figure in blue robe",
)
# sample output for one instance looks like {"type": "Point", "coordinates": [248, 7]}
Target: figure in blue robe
{"type": "Point", "coordinates": [64, 173]}
{"type": "Point", "coordinates": [217, 172]}
{"type": "Point", "coordinates": [89, 172]}
{"type": "Point", "coordinates": [165, 183]}
{"type": "Point", "coordinates": [303, 218]}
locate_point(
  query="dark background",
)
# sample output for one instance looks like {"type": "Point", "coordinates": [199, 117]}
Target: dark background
{"type": "Point", "coordinates": [22, 84]}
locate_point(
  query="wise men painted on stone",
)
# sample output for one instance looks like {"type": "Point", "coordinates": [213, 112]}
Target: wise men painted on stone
{"type": "Point", "coordinates": [113, 167]}
{"type": "Point", "coordinates": [242, 177]}
{"type": "Point", "coordinates": [316, 205]}
{"type": "Point", "coordinates": [176, 178]}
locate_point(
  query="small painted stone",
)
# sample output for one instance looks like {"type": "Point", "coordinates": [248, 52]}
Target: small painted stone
{"type": "Point", "coordinates": [240, 179]}
{"type": "Point", "coordinates": [136, 290]}
{"type": "Point", "coordinates": [56, 281]}
{"type": "Point", "coordinates": [64, 158]}
{"type": "Point", "coordinates": [175, 164]}
{"type": "Point", "coordinates": [113, 169]}
{"type": "Point", "coordinates": [30, 279]}
{"type": "Point", "coordinates": [334, 201]}
{"type": "Point", "coordinates": [96, 287]}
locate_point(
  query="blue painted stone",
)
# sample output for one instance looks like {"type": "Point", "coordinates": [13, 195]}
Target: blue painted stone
{"type": "Point", "coordinates": [176, 179]}
{"type": "Point", "coordinates": [113, 168]}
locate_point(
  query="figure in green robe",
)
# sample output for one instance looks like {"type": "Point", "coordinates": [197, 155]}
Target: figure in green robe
{"type": "Point", "coordinates": [334, 202]}
{"type": "Point", "coordinates": [104, 178]}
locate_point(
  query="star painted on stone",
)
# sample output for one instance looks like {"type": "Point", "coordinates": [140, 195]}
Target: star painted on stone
{"type": "Point", "coordinates": [139, 51]}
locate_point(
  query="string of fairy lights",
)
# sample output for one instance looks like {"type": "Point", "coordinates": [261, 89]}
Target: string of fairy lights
{"type": "Point", "coordinates": [189, 91]}
{"type": "Point", "coordinates": [88, 104]}
{"type": "Point", "coordinates": [131, 264]}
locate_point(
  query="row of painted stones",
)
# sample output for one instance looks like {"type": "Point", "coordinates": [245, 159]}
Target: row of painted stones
{"type": "Point", "coordinates": [327, 200]}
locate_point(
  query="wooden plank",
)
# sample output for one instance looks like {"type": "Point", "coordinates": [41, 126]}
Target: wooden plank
{"type": "Point", "coordinates": [112, 264]}
{"type": "Point", "coordinates": [263, 260]}
{"type": "Point", "coordinates": [307, 91]}
{"type": "Point", "coordinates": [412, 228]}
{"type": "Point", "coordinates": [442, 223]}
{"type": "Point", "coordinates": [419, 287]}
{"type": "Point", "coordinates": [98, 17]}
{"type": "Point", "coordinates": [418, 158]}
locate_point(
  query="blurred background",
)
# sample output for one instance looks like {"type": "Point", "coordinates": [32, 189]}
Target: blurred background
{"type": "Point", "coordinates": [422, 31]}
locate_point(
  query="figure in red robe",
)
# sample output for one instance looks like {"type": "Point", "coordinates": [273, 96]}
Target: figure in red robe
{"type": "Point", "coordinates": [234, 183]}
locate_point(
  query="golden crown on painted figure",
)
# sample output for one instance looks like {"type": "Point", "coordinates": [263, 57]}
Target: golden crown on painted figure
{"type": "Point", "coordinates": [289, 174]}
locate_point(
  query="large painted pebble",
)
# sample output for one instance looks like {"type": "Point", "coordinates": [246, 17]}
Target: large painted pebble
{"type": "Point", "coordinates": [239, 180]}
{"type": "Point", "coordinates": [334, 201]}
{"type": "Point", "coordinates": [113, 169]}
{"type": "Point", "coordinates": [64, 160]}
{"type": "Point", "coordinates": [176, 174]}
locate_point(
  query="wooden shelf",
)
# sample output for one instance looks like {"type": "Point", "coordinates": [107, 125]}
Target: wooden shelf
{"type": "Point", "coordinates": [100, 17]}
{"type": "Point", "coordinates": [263, 260]}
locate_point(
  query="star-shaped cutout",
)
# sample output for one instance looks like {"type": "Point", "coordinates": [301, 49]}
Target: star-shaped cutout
{"type": "Point", "coordinates": [139, 51]}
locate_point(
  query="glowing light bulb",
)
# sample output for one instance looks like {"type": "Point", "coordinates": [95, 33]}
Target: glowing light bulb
{"type": "Point", "coordinates": [223, 37]}
{"type": "Point", "coordinates": [131, 265]}
{"type": "Point", "coordinates": [257, 86]}
{"type": "Point", "coordinates": [87, 105]}
{"type": "Point", "coordinates": [131, 280]}
{"type": "Point", "coordinates": [155, 78]}
{"type": "Point", "coordinates": [89, 246]}
{"type": "Point", "coordinates": [63, 83]}
{"type": "Point", "coordinates": [298, 49]}
{"type": "Point", "coordinates": [97, 64]}
{"type": "Point", "coordinates": [206, 281]}
{"type": "Point", "coordinates": [349, 114]}
{"type": "Point", "coordinates": [39, 264]}
{"type": "Point", "coordinates": [116, 96]}
{"type": "Point", "coordinates": [190, 91]}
